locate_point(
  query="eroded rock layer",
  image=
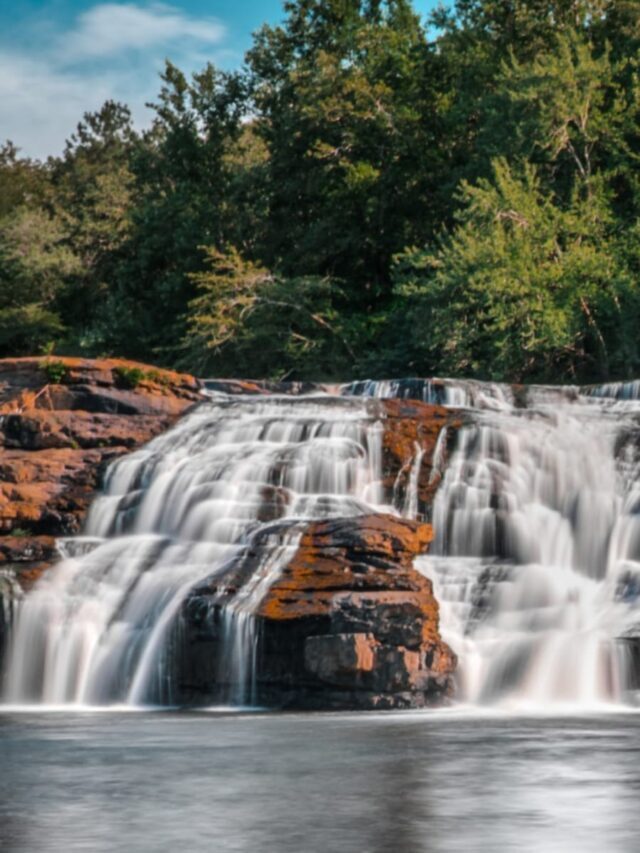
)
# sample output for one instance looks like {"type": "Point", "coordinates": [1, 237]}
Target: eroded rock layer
{"type": "Point", "coordinates": [349, 623]}
{"type": "Point", "coordinates": [62, 420]}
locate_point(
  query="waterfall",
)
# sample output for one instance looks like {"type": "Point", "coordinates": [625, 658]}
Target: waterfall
{"type": "Point", "coordinates": [445, 392]}
{"type": "Point", "coordinates": [536, 561]}
{"type": "Point", "coordinates": [100, 627]}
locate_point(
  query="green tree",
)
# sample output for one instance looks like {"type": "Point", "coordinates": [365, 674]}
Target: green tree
{"type": "Point", "coordinates": [35, 266]}
{"type": "Point", "coordinates": [92, 198]}
{"type": "Point", "coordinates": [523, 289]}
{"type": "Point", "coordinates": [339, 91]}
{"type": "Point", "coordinates": [246, 321]}
{"type": "Point", "coordinates": [180, 180]}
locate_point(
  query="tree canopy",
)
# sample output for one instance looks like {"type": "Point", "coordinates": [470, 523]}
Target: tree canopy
{"type": "Point", "coordinates": [369, 193]}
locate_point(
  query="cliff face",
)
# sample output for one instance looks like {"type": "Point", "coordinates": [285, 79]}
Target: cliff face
{"type": "Point", "coordinates": [62, 420]}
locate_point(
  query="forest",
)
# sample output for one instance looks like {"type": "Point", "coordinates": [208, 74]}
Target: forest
{"type": "Point", "coordinates": [369, 194]}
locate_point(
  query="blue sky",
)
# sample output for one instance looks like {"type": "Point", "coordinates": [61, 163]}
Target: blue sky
{"type": "Point", "coordinates": [60, 58]}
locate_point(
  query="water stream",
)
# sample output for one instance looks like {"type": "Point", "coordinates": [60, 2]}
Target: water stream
{"type": "Point", "coordinates": [536, 561]}
{"type": "Point", "coordinates": [99, 628]}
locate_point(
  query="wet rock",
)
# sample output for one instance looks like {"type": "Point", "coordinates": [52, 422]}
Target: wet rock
{"type": "Point", "coordinates": [348, 623]}
{"type": "Point", "coordinates": [411, 428]}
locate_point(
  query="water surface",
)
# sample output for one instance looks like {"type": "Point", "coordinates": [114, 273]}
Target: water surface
{"type": "Point", "coordinates": [301, 783]}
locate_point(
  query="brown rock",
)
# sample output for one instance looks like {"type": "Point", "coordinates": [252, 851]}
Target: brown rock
{"type": "Point", "coordinates": [410, 426]}
{"type": "Point", "coordinates": [57, 439]}
{"type": "Point", "coordinates": [348, 623]}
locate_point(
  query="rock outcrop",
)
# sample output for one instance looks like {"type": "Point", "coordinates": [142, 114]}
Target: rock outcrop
{"type": "Point", "coordinates": [62, 420]}
{"type": "Point", "coordinates": [348, 623]}
{"type": "Point", "coordinates": [415, 434]}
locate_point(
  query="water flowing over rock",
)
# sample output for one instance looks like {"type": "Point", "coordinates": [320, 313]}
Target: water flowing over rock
{"type": "Point", "coordinates": [347, 622]}
{"type": "Point", "coordinates": [169, 595]}
{"type": "Point", "coordinates": [536, 560]}
{"type": "Point", "coordinates": [273, 548]}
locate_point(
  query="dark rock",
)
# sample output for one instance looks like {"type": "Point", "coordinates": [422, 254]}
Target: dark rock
{"type": "Point", "coordinates": [348, 623]}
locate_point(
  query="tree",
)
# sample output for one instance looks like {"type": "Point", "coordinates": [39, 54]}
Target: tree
{"type": "Point", "coordinates": [338, 91]}
{"type": "Point", "coordinates": [180, 180]}
{"type": "Point", "coordinates": [247, 321]}
{"type": "Point", "coordinates": [523, 289]}
{"type": "Point", "coordinates": [35, 266]}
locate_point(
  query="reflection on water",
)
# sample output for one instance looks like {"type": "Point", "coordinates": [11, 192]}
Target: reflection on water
{"type": "Point", "coordinates": [305, 783]}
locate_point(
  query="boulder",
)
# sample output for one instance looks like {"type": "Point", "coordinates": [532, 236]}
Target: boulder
{"type": "Point", "coordinates": [347, 623]}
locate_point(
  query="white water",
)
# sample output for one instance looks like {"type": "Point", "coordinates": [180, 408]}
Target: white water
{"type": "Point", "coordinates": [99, 628]}
{"type": "Point", "coordinates": [446, 392]}
{"type": "Point", "coordinates": [536, 561]}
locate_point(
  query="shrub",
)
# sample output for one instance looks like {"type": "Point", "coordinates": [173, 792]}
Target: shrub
{"type": "Point", "coordinates": [55, 371]}
{"type": "Point", "coordinates": [158, 377]}
{"type": "Point", "coordinates": [128, 377]}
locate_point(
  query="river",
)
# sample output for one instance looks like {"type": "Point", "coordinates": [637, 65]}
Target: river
{"type": "Point", "coordinates": [332, 783]}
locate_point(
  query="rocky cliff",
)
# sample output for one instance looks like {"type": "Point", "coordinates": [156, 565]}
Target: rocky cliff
{"type": "Point", "coordinates": [62, 421]}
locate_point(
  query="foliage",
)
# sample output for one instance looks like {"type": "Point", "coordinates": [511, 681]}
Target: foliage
{"type": "Point", "coordinates": [56, 371]}
{"type": "Point", "coordinates": [523, 289]}
{"type": "Point", "coordinates": [249, 322]}
{"type": "Point", "coordinates": [493, 152]}
{"type": "Point", "coordinates": [128, 377]}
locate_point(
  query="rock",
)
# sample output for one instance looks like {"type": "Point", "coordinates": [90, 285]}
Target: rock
{"type": "Point", "coordinates": [57, 438]}
{"type": "Point", "coordinates": [341, 659]}
{"type": "Point", "coordinates": [263, 387]}
{"type": "Point", "coordinates": [411, 427]}
{"type": "Point", "coordinates": [348, 623]}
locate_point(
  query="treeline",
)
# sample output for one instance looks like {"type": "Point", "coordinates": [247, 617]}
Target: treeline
{"type": "Point", "coordinates": [366, 196]}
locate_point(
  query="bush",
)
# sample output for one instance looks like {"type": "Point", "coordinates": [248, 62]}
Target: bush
{"type": "Point", "coordinates": [158, 377]}
{"type": "Point", "coordinates": [55, 371]}
{"type": "Point", "coordinates": [128, 377]}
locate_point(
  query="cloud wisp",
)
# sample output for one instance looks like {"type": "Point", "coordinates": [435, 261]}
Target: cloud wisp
{"type": "Point", "coordinates": [112, 50]}
{"type": "Point", "coordinates": [115, 28]}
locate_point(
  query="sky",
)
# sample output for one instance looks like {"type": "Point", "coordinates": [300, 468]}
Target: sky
{"type": "Point", "coordinates": [62, 58]}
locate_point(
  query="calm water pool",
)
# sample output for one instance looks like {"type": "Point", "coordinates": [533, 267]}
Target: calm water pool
{"type": "Point", "coordinates": [374, 783]}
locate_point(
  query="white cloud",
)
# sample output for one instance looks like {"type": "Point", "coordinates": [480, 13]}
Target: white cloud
{"type": "Point", "coordinates": [112, 28]}
{"type": "Point", "coordinates": [45, 89]}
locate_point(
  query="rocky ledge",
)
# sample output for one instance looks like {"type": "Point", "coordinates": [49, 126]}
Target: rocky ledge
{"type": "Point", "coordinates": [62, 420]}
{"type": "Point", "coordinates": [349, 623]}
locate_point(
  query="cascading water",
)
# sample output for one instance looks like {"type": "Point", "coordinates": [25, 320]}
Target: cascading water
{"type": "Point", "coordinates": [445, 392]}
{"type": "Point", "coordinates": [536, 561]}
{"type": "Point", "coordinates": [99, 628]}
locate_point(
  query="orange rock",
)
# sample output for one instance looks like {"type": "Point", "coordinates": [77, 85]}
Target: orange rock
{"type": "Point", "coordinates": [348, 623]}
{"type": "Point", "coordinates": [408, 425]}
{"type": "Point", "coordinates": [57, 439]}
